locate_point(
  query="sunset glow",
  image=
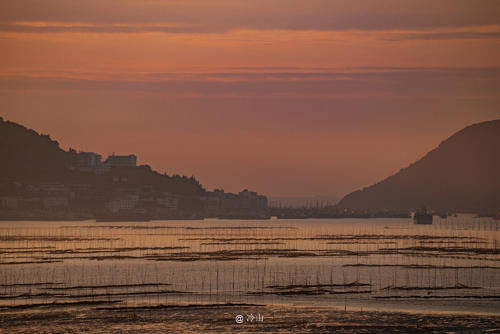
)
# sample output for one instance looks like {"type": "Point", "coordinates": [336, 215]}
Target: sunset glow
{"type": "Point", "coordinates": [305, 90]}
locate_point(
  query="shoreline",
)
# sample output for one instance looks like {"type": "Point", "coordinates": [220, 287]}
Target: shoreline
{"type": "Point", "coordinates": [221, 318]}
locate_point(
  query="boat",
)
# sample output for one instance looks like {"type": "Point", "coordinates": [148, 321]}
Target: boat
{"type": "Point", "coordinates": [422, 217]}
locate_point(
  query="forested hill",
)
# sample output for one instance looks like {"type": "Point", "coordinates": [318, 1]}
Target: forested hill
{"type": "Point", "coordinates": [461, 174]}
{"type": "Point", "coordinates": [32, 158]}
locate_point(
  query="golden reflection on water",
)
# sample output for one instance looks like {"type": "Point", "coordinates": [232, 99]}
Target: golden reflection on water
{"type": "Point", "coordinates": [371, 262]}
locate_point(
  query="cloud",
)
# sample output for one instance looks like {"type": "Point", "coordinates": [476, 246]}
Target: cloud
{"type": "Point", "coordinates": [489, 32]}
{"type": "Point", "coordinates": [63, 27]}
{"type": "Point", "coordinates": [445, 35]}
{"type": "Point", "coordinates": [224, 15]}
{"type": "Point", "coordinates": [341, 83]}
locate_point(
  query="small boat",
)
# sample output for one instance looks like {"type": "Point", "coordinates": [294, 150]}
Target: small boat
{"type": "Point", "coordinates": [422, 217]}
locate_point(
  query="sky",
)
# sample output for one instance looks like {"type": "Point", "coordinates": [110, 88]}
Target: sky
{"type": "Point", "coordinates": [283, 97]}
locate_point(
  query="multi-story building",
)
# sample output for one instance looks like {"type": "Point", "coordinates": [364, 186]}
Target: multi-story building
{"type": "Point", "coordinates": [88, 159]}
{"type": "Point", "coordinates": [122, 160]}
{"type": "Point", "coordinates": [91, 162]}
{"type": "Point", "coordinates": [246, 202]}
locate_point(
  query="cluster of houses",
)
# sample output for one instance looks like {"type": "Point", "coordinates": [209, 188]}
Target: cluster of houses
{"type": "Point", "coordinates": [122, 200]}
{"type": "Point", "coordinates": [45, 196]}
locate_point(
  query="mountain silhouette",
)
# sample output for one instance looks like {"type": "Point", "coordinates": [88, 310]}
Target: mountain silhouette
{"type": "Point", "coordinates": [32, 158]}
{"type": "Point", "coordinates": [462, 175]}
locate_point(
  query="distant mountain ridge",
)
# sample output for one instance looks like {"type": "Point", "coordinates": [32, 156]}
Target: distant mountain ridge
{"type": "Point", "coordinates": [462, 174]}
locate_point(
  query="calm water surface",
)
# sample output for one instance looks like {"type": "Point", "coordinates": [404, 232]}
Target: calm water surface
{"type": "Point", "coordinates": [452, 265]}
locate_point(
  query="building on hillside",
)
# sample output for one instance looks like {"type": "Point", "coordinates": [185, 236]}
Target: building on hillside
{"type": "Point", "coordinates": [91, 162]}
{"type": "Point", "coordinates": [245, 203]}
{"type": "Point", "coordinates": [122, 160]}
{"type": "Point", "coordinates": [125, 203]}
{"type": "Point", "coordinates": [88, 159]}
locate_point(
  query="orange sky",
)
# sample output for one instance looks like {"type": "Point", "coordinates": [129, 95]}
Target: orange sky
{"type": "Point", "coordinates": [284, 97]}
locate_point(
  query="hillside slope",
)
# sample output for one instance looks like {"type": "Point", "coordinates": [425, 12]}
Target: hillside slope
{"type": "Point", "coordinates": [32, 158]}
{"type": "Point", "coordinates": [461, 174]}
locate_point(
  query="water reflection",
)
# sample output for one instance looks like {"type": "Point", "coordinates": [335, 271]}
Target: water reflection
{"type": "Point", "coordinates": [379, 263]}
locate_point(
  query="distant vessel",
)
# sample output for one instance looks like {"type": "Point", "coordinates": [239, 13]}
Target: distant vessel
{"type": "Point", "coordinates": [422, 217]}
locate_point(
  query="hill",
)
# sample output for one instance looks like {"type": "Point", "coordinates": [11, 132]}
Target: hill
{"type": "Point", "coordinates": [29, 156]}
{"type": "Point", "coordinates": [41, 181]}
{"type": "Point", "coordinates": [32, 158]}
{"type": "Point", "coordinates": [462, 174]}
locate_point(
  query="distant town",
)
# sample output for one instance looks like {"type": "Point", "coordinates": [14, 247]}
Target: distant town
{"type": "Point", "coordinates": [41, 181]}
{"type": "Point", "coordinates": [123, 201]}
{"type": "Point", "coordinates": [117, 189]}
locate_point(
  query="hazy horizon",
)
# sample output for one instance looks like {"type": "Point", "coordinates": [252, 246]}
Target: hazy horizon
{"type": "Point", "coordinates": [283, 98]}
